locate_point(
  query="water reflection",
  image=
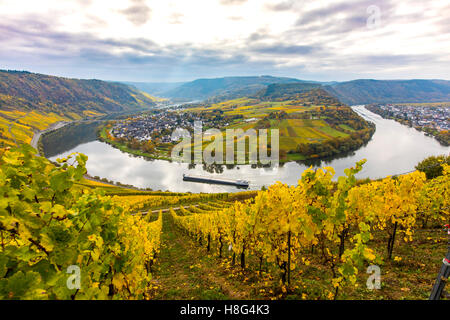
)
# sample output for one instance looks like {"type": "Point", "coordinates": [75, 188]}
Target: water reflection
{"type": "Point", "coordinates": [69, 137]}
{"type": "Point", "coordinates": [393, 149]}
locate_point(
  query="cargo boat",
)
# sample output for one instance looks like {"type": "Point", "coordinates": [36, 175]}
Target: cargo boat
{"type": "Point", "coordinates": [237, 183]}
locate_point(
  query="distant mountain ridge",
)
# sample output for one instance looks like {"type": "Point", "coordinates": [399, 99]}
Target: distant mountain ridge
{"type": "Point", "coordinates": [31, 91]}
{"type": "Point", "coordinates": [286, 90]}
{"type": "Point", "coordinates": [227, 87]}
{"type": "Point", "coordinates": [361, 91]}
{"type": "Point", "coordinates": [155, 88]}
{"type": "Point", "coordinates": [366, 91]}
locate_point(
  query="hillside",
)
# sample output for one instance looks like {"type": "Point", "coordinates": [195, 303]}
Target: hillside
{"type": "Point", "coordinates": [362, 91]}
{"type": "Point", "coordinates": [312, 124]}
{"type": "Point", "coordinates": [31, 91]}
{"type": "Point", "coordinates": [229, 86]}
{"type": "Point", "coordinates": [307, 93]}
{"type": "Point", "coordinates": [30, 102]}
{"type": "Point", "coordinates": [390, 91]}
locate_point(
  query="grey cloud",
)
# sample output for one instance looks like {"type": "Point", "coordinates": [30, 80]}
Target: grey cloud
{"type": "Point", "coordinates": [32, 43]}
{"type": "Point", "coordinates": [259, 35]}
{"type": "Point", "coordinates": [282, 49]}
{"type": "Point", "coordinates": [138, 13]}
{"type": "Point", "coordinates": [86, 52]}
{"type": "Point", "coordinates": [282, 6]}
{"type": "Point", "coordinates": [37, 33]}
{"type": "Point", "coordinates": [350, 9]}
{"type": "Point", "coordinates": [394, 60]}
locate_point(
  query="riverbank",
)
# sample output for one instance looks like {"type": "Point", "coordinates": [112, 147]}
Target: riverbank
{"type": "Point", "coordinates": [394, 149]}
{"type": "Point", "coordinates": [103, 136]}
{"type": "Point", "coordinates": [285, 157]}
{"type": "Point", "coordinates": [443, 137]}
{"type": "Point", "coordinates": [36, 143]}
{"type": "Point", "coordinates": [37, 135]}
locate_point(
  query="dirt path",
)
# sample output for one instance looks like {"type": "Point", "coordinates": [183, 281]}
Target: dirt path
{"type": "Point", "coordinates": [165, 209]}
{"type": "Point", "coordinates": [186, 271]}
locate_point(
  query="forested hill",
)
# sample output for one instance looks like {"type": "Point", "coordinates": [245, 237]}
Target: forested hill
{"type": "Point", "coordinates": [361, 91]}
{"type": "Point", "coordinates": [229, 87]}
{"type": "Point", "coordinates": [390, 91]}
{"type": "Point", "coordinates": [20, 90]}
{"type": "Point", "coordinates": [311, 93]}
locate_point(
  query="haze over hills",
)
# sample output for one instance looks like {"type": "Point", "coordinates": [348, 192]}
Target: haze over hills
{"type": "Point", "coordinates": [390, 91]}
{"type": "Point", "coordinates": [362, 91]}
{"type": "Point", "coordinates": [229, 87]}
{"type": "Point", "coordinates": [285, 90]}
{"type": "Point", "coordinates": [155, 88]}
{"type": "Point", "coordinates": [31, 91]}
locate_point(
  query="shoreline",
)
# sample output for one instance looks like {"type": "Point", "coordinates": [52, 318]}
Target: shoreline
{"type": "Point", "coordinates": [37, 135]}
{"type": "Point", "coordinates": [289, 157]}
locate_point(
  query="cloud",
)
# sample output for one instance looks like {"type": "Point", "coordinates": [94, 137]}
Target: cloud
{"type": "Point", "coordinates": [258, 35]}
{"type": "Point", "coordinates": [282, 49]}
{"type": "Point", "coordinates": [343, 10]}
{"type": "Point", "coordinates": [138, 13]}
{"type": "Point", "coordinates": [232, 2]}
{"type": "Point", "coordinates": [282, 6]}
{"type": "Point", "coordinates": [394, 60]}
{"type": "Point", "coordinates": [176, 18]}
{"type": "Point", "coordinates": [327, 40]}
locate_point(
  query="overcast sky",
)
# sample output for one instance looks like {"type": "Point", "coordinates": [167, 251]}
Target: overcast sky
{"type": "Point", "coordinates": [181, 40]}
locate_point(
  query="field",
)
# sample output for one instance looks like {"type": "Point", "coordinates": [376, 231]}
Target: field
{"type": "Point", "coordinates": [298, 123]}
{"type": "Point", "coordinates": [19, 126]}
{"type": "Point", "coordinates": [253, 108]}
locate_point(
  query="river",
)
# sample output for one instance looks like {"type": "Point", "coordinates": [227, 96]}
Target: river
{"type": "Point", "coordinates": [393, 149]}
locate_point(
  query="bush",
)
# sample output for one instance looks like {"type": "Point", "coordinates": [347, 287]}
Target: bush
{"type": "Point", "coordinates": [433, 166]}
{"type": "Point", "coordinates": [49, 225]}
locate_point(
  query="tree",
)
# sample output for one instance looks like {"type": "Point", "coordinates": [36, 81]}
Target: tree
{"type": "Point", "coordinates": [433, 166]}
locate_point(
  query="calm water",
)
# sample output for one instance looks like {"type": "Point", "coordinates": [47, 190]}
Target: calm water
{"type": "Point", "coordinates": [393, 149]}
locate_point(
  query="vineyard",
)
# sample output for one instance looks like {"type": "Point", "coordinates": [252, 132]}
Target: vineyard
{"type": "Point", "coordinates": [20, 126]}
{"type": "Point", "coordinates": [286, 229]}
{"type": "Point", "coordinates": [310, 241]}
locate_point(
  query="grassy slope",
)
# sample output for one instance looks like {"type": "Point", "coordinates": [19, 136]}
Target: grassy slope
{"type": "Point", "coordinates": [31, 102]}
{"type": "Point", "coordinates": [292, 131]}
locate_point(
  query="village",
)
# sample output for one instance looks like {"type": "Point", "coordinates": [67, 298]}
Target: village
{"type": "Point", "coordinates": [419, 116]}
{"type": "Point", "coordinates": [161, 125]}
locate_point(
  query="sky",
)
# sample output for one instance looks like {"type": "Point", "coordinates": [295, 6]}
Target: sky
{"type": "Point", "coordinates": [182, 40]}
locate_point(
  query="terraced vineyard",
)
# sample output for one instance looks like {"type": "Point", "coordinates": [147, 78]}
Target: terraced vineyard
{"type": "Point", "coordinates": [307, 128]}
{"type": "Point", "coordinates": [310, 241]}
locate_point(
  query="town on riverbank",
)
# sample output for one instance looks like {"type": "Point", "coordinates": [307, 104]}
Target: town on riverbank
{"type": "Point", "coordinates": [430, 118]}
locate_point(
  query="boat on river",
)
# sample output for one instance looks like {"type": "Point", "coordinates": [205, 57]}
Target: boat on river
{"type": "Point", "coordinates": [216, 180]}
